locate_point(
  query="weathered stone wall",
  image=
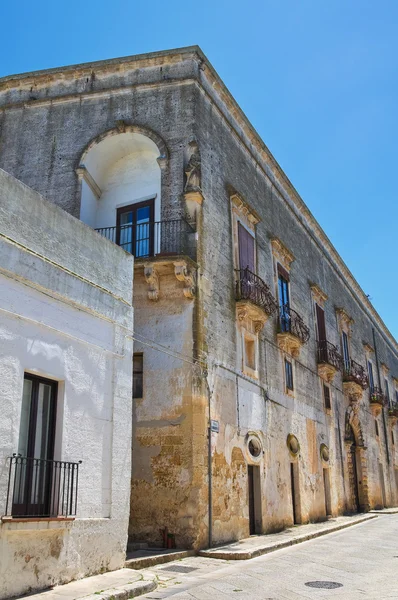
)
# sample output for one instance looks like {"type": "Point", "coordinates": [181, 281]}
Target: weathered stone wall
{"type": "Point", "coordinates": [227, 163]}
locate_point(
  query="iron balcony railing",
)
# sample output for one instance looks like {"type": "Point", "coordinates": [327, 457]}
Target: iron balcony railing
{"type": "Point", "coordinates": [160, 238]}
{"type": "Point", "coordinates": [328, 354]}
{"type": "Point", "coordinates": [393, 408]}
{"type": "Point", "coordinates": [377, 396]}
{"type": "Point", "coordinates": [291, 322]}
{"type": "Point", "coordinates": [250, 286]}
{"type": "Point", "coordinates": [356, 373]}
{"type": "Point", "coordinates": [41, 488]}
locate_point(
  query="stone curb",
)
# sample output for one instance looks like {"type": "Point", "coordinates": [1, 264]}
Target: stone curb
{"type": "Point", "coordinates": [124, 592]}
{"type": "Point", "coordinates": [158, 559]}
{"type": "Point", "coordinates": [246, 555]}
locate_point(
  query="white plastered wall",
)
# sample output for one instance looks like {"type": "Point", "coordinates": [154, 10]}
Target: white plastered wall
{"type": "Point", "coordinates": [68, 317]}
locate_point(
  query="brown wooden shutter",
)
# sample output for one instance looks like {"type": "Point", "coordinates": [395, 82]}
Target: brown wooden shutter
{"type": "Point", "coordinates": [246, 248]}
{"type": "Point", "coordinates": [320, 318]}
{"type": "Point", "coordinates": [283, 272]}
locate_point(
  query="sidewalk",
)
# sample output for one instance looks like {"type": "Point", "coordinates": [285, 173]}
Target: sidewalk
{"type": "Point", "coordinates": [262, 544]}
{"type": "Point", "coordinates": [121, 584]}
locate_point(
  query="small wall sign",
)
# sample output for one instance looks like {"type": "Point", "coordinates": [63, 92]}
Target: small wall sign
{"type": "Point", "coordinates": [214, 426]}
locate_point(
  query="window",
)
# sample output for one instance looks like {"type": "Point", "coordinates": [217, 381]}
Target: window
{"type": "Point", "coordinates": [35, 447]}
{"type": "Point", "coordinates": [371, 379]}
{"type": "Point", "coordinates": [284, 300]}
{"type": "Point", "coordinates": [387, 391]}
{"type": "Point", "coordinates": [326, 397]}
{"type": "Point", "coordinates": [346, 351]}
{"type": "Point", "coordinates": [134, 228]}
{"type": "Point", "coordinates": [246, 249]}
{"type": "Point", "coordinates": [250, 353]}
{"type": "Point", "coordinates": [289, 375]}
{"type": "Point", "coordinates": [377, 428]}
{"type": "Point", "coordinates": [138, 375]}
{"type": "Point", "coordinates": [392, 438]}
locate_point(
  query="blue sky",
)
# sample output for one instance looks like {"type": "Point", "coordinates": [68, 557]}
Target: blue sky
{"type": "Point", "coordinates": [317, 78]}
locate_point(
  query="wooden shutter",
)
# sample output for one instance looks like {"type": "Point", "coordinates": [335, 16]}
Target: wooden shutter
{"type": "Point", "coordinates": [320, 319]}
{"type": "Point", "coordinates": [282, 272]}
{"type": "Point", "coordinates": [246, 249]}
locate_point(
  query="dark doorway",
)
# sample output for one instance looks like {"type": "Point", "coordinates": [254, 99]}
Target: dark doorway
{"type": "Point", "coordinates": [254, 483]}
{"type": "Point", "coordinates": [354, 481]}
{"type": "Point", "coordinates": [294, 481]}
{"type": "Point", "coordinates": [33, 469]}
{"type": "Point", "coordinates": [326, 485]}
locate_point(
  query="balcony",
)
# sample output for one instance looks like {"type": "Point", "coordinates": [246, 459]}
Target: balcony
{"type": "Point", "coordinates": [39, 488]}
{"type": "Point", "coordinates": [160, 248]}
{"type": "Point", "coordinates": [355, 380]}
{"type": "Point", "coordinates": [393, 411]}
{"type": "Point", "coordinates": [158, 239]}
{"type": "Point", "coordinates": [329, 360]}
{"type": "Point", "coordinates": [377, 400]}
{"type": "Point", "coordinates": [251, 289]}
{"type": "Point", "coordinates": [293, 333]}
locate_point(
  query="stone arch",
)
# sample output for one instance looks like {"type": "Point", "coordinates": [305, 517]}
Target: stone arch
{"type": "Point", "coordinates": [357, 463]}
{"type": "Point", "coordinates": [118, 170]}
{"type": "Point", "coordinates": [353, 423]}
{"type": "Point", "coordinates": [124, 128]}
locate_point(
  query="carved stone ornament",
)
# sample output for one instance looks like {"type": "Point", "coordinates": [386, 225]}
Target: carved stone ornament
{"type": "Point", "coordinates": [293, 445]}
{"type": "Point", "coordinates": [246, 311]}
{"type": "Point", "coordinates": [318, 295]}
{"type": "Point", "coordinates": [152, 279]}
{"type": "Point", "coordinates": [324, 453]}
{"type": "Point", "coordinates": [352, 390]}
{"type": "Point", "coordinates": [193, 170]}
{"type": "Point", "coordinates": [326, 372]}
{"type": "Point", "coordinates": [289, 343]}
{"type": "Point", "coordinates": [345, 321]}
{"type": "Point", "coordinates": [385, 369]}
{"type": "Point", "coordinates": [182, 273]}
{"type": "Point", "coordinates": [243, 211]}
{"type": "Point", "coordinates": [281, 253]}
{"type": "Point", "coordinates": [368, 348]}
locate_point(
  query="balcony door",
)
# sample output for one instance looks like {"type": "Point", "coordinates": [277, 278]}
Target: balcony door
{"type": "Point", "coordinates": [321, 332]}
{"type": "Point", "coordinates": [33, 468]}
{"type": "Point", "coordinates": [134, 228]}
{"type": "Point", "coordinates": [284, 299]}
{"type": "Point", "coordinates": [246, 249]}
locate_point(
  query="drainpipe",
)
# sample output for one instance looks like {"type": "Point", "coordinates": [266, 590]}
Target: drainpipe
{"type": "Point", "coordinates": [380, 387]}
{"type": "Point", "coordinates": [209, 468]}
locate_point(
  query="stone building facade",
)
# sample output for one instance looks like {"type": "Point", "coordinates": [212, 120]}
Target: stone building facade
{"type": "Point", "coordinates": [65, 386]}
{"type": "Point", "coordinates": [253, 341]}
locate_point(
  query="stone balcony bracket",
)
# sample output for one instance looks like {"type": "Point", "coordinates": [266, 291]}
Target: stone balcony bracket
{"type": "Point", "coordinates": [353, 391]}
{"type": "Point", "coordinates": [193, 201]}
{"type": "Point", "coordinates": [376, 408]}
{"type": "Point", "coordinates": [246, 311]}
{"type": "Point", "coordinates": [184, 274]}
{"type": "Point", "coordinates": [327, 372]}
{"type": "Point", "coordinates": [289, 343]}
{"type": "Point", "coordinates": [152, 278]}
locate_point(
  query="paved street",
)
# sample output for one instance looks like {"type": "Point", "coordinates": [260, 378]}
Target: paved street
{"type": "Point", "coordinates": [363, 559]}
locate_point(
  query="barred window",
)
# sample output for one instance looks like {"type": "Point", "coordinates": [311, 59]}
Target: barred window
{"type": "Point", "coordinates": [138, 375]}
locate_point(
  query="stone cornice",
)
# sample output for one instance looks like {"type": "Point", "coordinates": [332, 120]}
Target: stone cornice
{"type": "Point", "coordinates": [213, 87]}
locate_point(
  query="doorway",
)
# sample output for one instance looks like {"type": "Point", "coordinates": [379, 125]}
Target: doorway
{"type": "Point", "coordinates": [295, 489]}
{"type": "Point", "coordinates": [254, 483]}
{"type": "Point", "coordinates": [326, 486]}
{"type": "Point", "coordinates": [33, 464]}
{"type": "Point", "coordinates": [354, 477]}
{"type": "Point", "coordinates": [382, 486]}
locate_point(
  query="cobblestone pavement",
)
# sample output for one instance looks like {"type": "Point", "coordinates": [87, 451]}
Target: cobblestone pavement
{"type": "Point", "coordinates": [363, 559]}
